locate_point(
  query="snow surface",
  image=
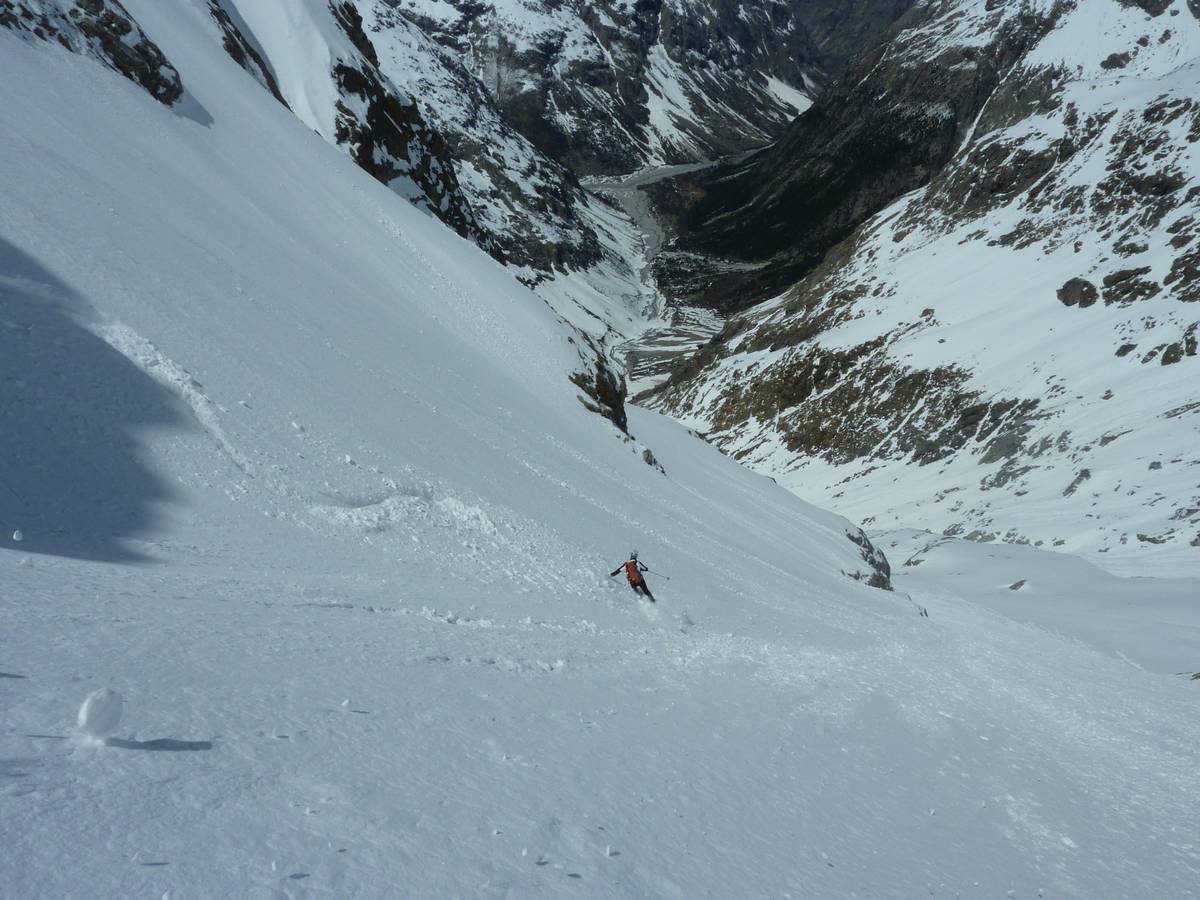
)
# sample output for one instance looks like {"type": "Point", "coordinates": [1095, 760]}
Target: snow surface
{"type": "Point", "coordinates": [300, 476]}
{"type": "Point", "coordinates": [302, 42]}
{"type": "Point", "coordinates": [1151, 623]}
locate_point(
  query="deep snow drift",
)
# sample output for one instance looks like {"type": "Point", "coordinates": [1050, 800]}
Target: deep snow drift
{"type": "Point", "coordinates": [300, 477]}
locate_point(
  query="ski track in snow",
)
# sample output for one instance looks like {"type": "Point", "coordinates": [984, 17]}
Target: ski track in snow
{"type": "Point", "coordinates": [177, 380]}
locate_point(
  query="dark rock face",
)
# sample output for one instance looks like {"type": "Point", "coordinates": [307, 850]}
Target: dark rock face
{"type": "Point", "coordinates": [386, 138]}
{"type": "Point", "coordinates": [1184, 276]}
{"type": "Point", "coordinates": [352, 24]}
{"type": "Point", "coordinates": [881, 569]}
{"type": "Point", "coordinates": [1128, 285]}
{"type": "Point", "coordinates": [102, 30]}
{"type": "Point", "coordinates": [1084, 475]}
{"type": "Point", "coordinates": [842, 30]}
{"type": "Point", "coordinates": [242, 51]}
{"type": "Point", "coordinates": [1153, 7]}
{"type": "Point", "coordinates": [1078, 291]}
{"type": "Point", "coordinates": [603, 392]}
{"type": "Point", "coordinates": [1173, 354]}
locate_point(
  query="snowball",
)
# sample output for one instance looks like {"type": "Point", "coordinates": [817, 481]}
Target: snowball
{"type": "Point", "coordinates": [18, 535]}
{"type": "Point", "coordinates": [100, 713]}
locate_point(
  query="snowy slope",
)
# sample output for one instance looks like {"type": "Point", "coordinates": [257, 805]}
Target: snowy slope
{"type": "Point", "coordinates": [1009, 352]}
{"type": "Point", "coordinates": [300, 476]}
{"type": "Point", "coordinates": [1152, 623]}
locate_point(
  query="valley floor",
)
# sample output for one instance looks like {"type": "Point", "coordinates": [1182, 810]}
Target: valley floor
{"type": "Point", "coordinates": [674, 331]}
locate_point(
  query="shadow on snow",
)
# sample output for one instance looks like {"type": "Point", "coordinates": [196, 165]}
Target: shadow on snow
{"type": "Point", "coordinates": [167, 745]}
{"type": "Point", "coordinates": [72, 477]}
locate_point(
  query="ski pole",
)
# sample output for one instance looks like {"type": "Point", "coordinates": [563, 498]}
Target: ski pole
{"type": "Point", "coordinates": [659, 574]}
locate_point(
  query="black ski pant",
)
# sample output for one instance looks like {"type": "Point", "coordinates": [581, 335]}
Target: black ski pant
{"type": "Point", "coordinates": [640, 588]}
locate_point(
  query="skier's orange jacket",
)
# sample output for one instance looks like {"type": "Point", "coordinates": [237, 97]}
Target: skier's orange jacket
{"type": "Point", "coordinates": [632, 573]}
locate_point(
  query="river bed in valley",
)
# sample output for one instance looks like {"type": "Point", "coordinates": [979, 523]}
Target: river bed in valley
{"type": "Point", "coordinates": [650, 357]}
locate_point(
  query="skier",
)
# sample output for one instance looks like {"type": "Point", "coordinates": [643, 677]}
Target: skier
{"type": "Point", "coordinates": [633, 571]}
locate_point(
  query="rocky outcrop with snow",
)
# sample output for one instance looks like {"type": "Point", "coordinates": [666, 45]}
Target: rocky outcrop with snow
{"type": "Point", "coordinates": [1008, 349]}
{"type": "Point", "coordinates": [101, 29]}
{"type": "Point", "coordinates": [531, 206]}
{"type": "Point", "coordinates": [244, 51]}
{"type": "Point", "coordinates": [328, 73]}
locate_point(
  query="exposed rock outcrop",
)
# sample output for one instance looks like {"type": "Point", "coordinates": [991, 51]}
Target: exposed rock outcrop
{"type": "Point", "coordinates": [881, 570]}
{"type": "Point", "coordinates": [241, 49]}
{"type": "Point", "coordinates": [533, 209]}
{"type": "Point", "coordinates": [103, 30]}
{"type": "Point", "coordinates": [385, 133]}
{"type": "Point", "coordinates": [603, 391]}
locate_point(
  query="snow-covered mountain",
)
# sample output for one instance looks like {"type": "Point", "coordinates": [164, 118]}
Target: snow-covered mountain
{"type": "Point", "coordinates": [195, 198]}
{"type": "Point", "coordinates": [613, 86]}
{"type": "Point", "coordinates": [1007, 349]}
{"type": "Point", "coordinates": [616, 86]}
{"type": "Point", "coordinates": [304, 553]}
{"type": "Point", "coordinates": [531, 94]}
